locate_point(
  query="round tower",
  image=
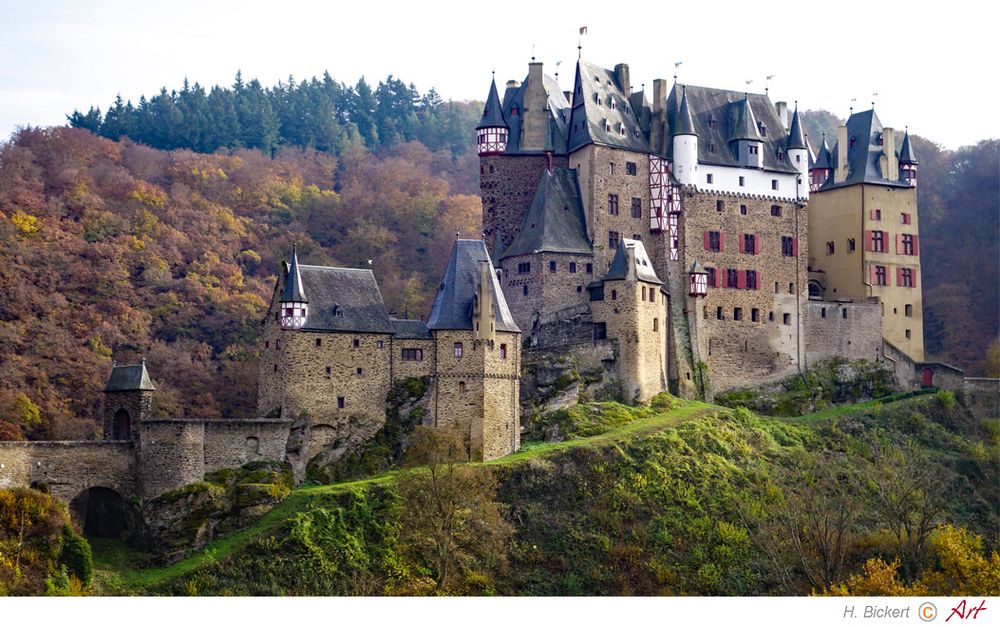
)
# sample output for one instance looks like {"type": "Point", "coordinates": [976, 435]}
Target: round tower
{"type": "Point", "coordinates": [491, 134]}
{"type": "Point", "coordinates": [685, 144]}
{"type": "Point", "coordinates": [798, 154]}
{"type": "Point", "coordinates": [294, 307]}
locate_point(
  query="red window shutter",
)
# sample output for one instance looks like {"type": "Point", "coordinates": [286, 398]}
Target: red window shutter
{"type": "Point", "coordinates": [899, 276]}
{"type": "Point", "coordinates": [760, 280]}
{"type": "Point", "coordinates": [916, 244]}
{"type": "Point", "coordinates": [914, 275]}
{"type": "Point", "coordinates": [756, 244]}
{"type": "Point", "coordinates": [722, 241]}
{"type": "Point", "coordinates": [743, 238]}
{"type": "Point", "coordinates": [706, 240]}
{"type": "Point", "coordinates": [899, 243]}
{"type": "Point", "coordinates": [869, 242]}
{"type": "Point", "coordinates": [871, 275]}
{"type": "Point", "coordinates": [741, 280]}
{"type": "Point", "coordinates": [795, 247]}
{"type": "Point", "coordinates": [723, 277]}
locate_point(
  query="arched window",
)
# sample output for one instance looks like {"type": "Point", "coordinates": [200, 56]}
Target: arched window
{"type": "Point", "coordinates": [121, 427]}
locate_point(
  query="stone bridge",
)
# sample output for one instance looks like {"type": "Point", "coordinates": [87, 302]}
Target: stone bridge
{"type": "Point", "coordinates": [69, 468]}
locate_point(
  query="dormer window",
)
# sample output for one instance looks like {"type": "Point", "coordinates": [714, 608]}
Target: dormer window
{"type": "Point", "coordinates": [621, 130]}
{"type": "Point", "coordinates": [597, 98]}
{"type": "Point", "coordinates": [712, 122]}
{"type": "Point", "coordinates": [711, 148]}
{"type": "Point", "coordinates": [781, 155]}
{"type": "Point", "coordinates": [607, 126]}
{"type": "Point", "coordinates": [853, 140]}
{"type": "Point", "coordinates": [514, 110]}
{"type": "Point", "coordinates": [614, 105]}
{"type": "Point", "coordinates": [763, 129]}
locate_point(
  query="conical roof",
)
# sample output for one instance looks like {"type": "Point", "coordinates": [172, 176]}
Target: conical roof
{"type": "Point", "coordinates": [906, 151]}
{"type": "Point", "coordinates": [697, 268]}
{"type": "Point", "coordinates": [796, 139]}
{"type": "Point", "coordinates": [684, 124]}
{"type": "Point", "coordinates": [745, 127]}
{"type": "Point", "coordinates": [492, 111]}
{"type": "Point", "coordinates": [293, 292]}
{"type": "Point", "coordinates": [824, 160]}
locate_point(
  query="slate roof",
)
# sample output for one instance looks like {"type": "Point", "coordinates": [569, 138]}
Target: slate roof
{"type": "Point", "coordinates": [796, 138]}
{"type": "Point", "coordinates": [590, 119]}
{"type": "Point", "coordinates": [643, 266]}
{"type": "Point", "coordinates": [344, 300]}
{"type": "Point", "coordinates": [725, 107]}
{"type": "Point", "coordinates": [129, 378]}
{"type": "Point", "coordinates": [824, 160]}
{"type": "Point", "coordinates": [863, 157]}
{"type": "Point", "coordinates": [743, 122]}
{"type": "Point", "coordinates": [558, 115]}
{"type": "Point", "coordinates": [406, 329]}
{"type": "Point", "coordinates": [492, 110]}
{"type": "Point", "coordinates": [684, 124]}
{"type": "Point", "coordinates": [453, 304]}
{"type": "Point", "coordinates": [555, 220]}
{"type": "Point", "coordinates": [906, 151]}
{"type": "Point", "coordinates": [293, 291]}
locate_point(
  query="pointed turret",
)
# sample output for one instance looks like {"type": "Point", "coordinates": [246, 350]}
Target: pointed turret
{"type": "Point", "coordinates": [820, 169]}
{"type": "Point", "coordinates": [907, 161]}
{"type": "Point", "coordinates": [684, 141]}
{"type": "Point", "coordinates": [699, 279]}
{"type": "Point", "coordinates": [493, 128]}
{"type": "Point", "coordinates": [293, 302]}
{"type": "Point", "coordinates": [745, 134]}
{"type": "Point", "coordinates": [684, 124]}
{"type": "Point", "coordinates": [796, 138]}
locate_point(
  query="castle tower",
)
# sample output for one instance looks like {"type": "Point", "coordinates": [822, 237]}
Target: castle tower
{"type": "Point", "coordinates": [685, 161]}
{"type": "Point", "coordinates": [863, 229]}
{"type": "Point", "coordinates": [128, 397]}
{"type": "Point", "coordinates": [293, 304]}
{"type": "Point", "coordinates": [491, 134]}
{"type": "Point", "coordinates": [797, 153]}
{"type": "Point", "coordinates": [477, 348]}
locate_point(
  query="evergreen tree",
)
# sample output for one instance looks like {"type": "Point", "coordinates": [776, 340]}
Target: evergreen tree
{"type": "Point", "coordinates": [119, 121]}
{"type": "Point", "coordinates": [362, 113]}
{"type": "Point", "coordinates": [90, 120]}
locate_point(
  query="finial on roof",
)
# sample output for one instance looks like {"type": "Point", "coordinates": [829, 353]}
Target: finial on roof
{"type": "Point", "coordinates": [458, 235]}
{"type": "Point", "coordinates": [532, 53]}
{"type": "Point", "coordinates": [676, 65]}
{"type": "Point", "coordinates": [767, 80]}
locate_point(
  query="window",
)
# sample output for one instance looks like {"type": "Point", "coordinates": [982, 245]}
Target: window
{"type": "Point", "coordinates": [611, 166]}
{"type": "Point", "coordinates": [413, 354]}
{"type": "Point", "coordinates": [275, 367]}
{"type": "Point", "coordinates": [788, 246]}
{"type": "Point", "coordinates": [851, 245]}
{"type": "Point", "coordinates": [379, 344]}
{"type": "Point", "coordinates": [340, 402]}
{"type": "Point", "coordinates": [614, 294]}
{"type": "Point", "coordinates": [878, 241]}
{"type": "Point", "coordinates": [524, 290]}
{"type": "Point", "coordinates": [458, 349]}
{"type": "Point", "coordinates": [718, 313]}
{"type": "Point", "coordinates": [552, 266]}
{"type": "Point", "coordinates": [643, 293]}
{"type": "Point", "coordinates": [749, 244]}
{"type": "Point", "coordinates": [908, 311]}
{"type": "Point", "coordinates": [630, 168]}
{"type": "Point", "coordinates": [776, 211]}
{"type": "Point", "coordinates": [579, 289]}
{"type": "Point", "coordinates": [791, 288]}
{"type": "Point", "coordinates": [720, 205]}
{"type": "Point", "coordinates": [328, 372]}
{"type": "Point", "coordinates": [712, 122]}
{"type": "Point", "coordinates": [356, 343]}
{"type": "Point", "coordinates": [656, 323]}
{"type": "Point", "coordinates": [781, 156]}
{"type": "Point", "coordinates": [752, 149]}
{"type": "Point", "coordinates": [743, 210]}
{"type": "Point", "coordinates": [907, 334]}
{"type": "Point", "coordinates": [359, 371]}
{"type": "Point", "coordinates": [822, 312]}
{"type": "Point", "coordinates": [613, 204]}
{"type": "Point", "coordinates": [590, 268]}
{"type": "Point", "coordinates": [743, 182]}
{"type": "Point", "coordinates": [732, 277]}
{"type": "Point", "coordinates": [880, 275]}
{"type": "Point", "coordinates": [904, 218]}
{"type": "Point", "coordinates": [461, 387]}
{"type": "Point", "coordinates": [714, 240]}
{"type": "Point", "coordinates": [572, 267]}
{"type": "Point", "coordinates": [829, 248]}
{"type": "Point", "coordinates": [763, 129]}
{"type": "Point", "coordinates": [524, 267]}
{"type": "Point", "coordinates": [613, 237]}
{"type": "Point", "coordinates": [876, 214]}
{"type": "Point", "coordinates": [774, 183]}
{"type": "Point", "coordinates": [267, 344]}
{"type": "Point", "coordinates": [906, 277]}
{"type": "Point", "coordinates": [755, 315]}
{"type": "Point", "coordinates": [786, 319]}
{"type": "Point", "coordinates": [770, 316]}
{"type": "Point", "coordinates": [711, 276]}
{"type": "Point", "coordinates": [853, 141]}
{"type": "Point", "coordinates": [711, 148]}
{"type": "Point", "coordinates": [751, 279]}
{"type": "Point", "coordinates": [737, 313]}
{"type": "Point", "coordinates": [319, 342]}
{"type": "Point", "coordinates": [503, 351]}
{"type": "Point", "coordinates": [601, 331]}
{"type": "Point", "coordinates": [907, 241]}
{"type": "Point", "coordinates": [843, 313]}
{"type": "Point", "coordinates": [709, 178]}
{"type": "Point", "coordinates": [652, 295]}
{"type": "Point", "coordinates": [636, 207]}
{"type": "Point", "coordinates": [277, 345]}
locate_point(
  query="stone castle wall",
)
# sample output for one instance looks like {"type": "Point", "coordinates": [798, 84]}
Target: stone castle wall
{"type": "Point", "coordinates": [169, 454]}
{"type": "Point", "coordinates": [405, 369]}
{"type": "Point", "coordinates": [849, 330]}
{"type": "Point", "coordinates": [507, 183]}
{"type": "Point", "coordinates": [548, 290]}
{"type": "Point", "coordinates": [69, 468]}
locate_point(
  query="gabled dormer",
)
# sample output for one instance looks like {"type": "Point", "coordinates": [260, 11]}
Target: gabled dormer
{"type": "Point", "coordinates": [744, 136]}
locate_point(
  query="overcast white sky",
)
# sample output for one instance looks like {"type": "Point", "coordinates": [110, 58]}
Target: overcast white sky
{"type": "Point", "coordinates": [932, 64]}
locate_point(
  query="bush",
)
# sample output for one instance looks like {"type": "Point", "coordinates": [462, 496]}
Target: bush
{"type": "Point", "coordinates": [76, 555]}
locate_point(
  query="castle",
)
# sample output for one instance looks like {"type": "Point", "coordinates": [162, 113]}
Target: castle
{"type": "Point", "coordinates": [692, 242]}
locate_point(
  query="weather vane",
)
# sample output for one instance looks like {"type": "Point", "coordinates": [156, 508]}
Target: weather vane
{"type": "Point", "coordinates": [579, 42]}
{"type": "Point", "coordinates": [676, 65]}
{"type": "Point", "coordinates": [767, 80]}
{"type": "Point", "coordinates": [874, 93]}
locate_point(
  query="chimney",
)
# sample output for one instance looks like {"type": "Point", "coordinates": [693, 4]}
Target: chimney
{"type": "Point", "coordinates": [622, 77]}
{"type": "Point", "coordinates": [840, 174]}
{"type": "Point", "coordinates": [534, 124]}
{"type": "Point", "coordinates": [512, 84]}
{"type": "Point", "coordinates": [484, 323]}
{"type": "Point", "coordinates": [569, 97]}
{"type": "Point", "coordinates": [891, 171]}
{"type": "Point", "coordinates": [783, 114]}
{"type": "Point", "coordinates": [659, 96]}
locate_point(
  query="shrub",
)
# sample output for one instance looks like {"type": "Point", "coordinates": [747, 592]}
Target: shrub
{"type": "Point", "coordinates": [76, 555]}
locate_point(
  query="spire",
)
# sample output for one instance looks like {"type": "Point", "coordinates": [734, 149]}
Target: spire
{"type": "Point", "coordinates": [492, 111]}
{"type": "Point", "coordinates": [293, 292]}
{"type": "Point", "coordinates": [795, 137]}
{"type": "Point", "coordinates": [824, 160]}
{"type": "Point", "coordinates": [684, 124]}
{"type": "Point", "coordinates": [906, 155]}
{"type": "Point", "coordinates": [746, 124]}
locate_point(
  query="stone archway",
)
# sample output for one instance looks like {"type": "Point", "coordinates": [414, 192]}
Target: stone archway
{"type": "Point", "coordinates": [103, 513]}
{"type": "Point", "coordinates": [121, 426]}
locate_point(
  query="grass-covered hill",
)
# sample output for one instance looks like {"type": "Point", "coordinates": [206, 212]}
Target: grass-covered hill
{"type": "Point", "coordinates": [675, 498]}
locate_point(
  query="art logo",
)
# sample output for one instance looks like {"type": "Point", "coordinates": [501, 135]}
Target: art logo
{"type": "Point", "coordinates": [966, 611]}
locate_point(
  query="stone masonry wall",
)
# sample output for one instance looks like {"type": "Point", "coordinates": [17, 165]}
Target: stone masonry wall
{"type": "Point", "coordinates": [849, 330]}
{"type": "Point", "coordinates": [548, 291]}
{"type": "Point", "coordinates": [507, 183]}
{"type": "Point", "coordinates": [169, 454]}
{"type": "Point", "coordinates": [405, 369]}
{"type": "Point", "coordinates": [746, 351]}
{"type": "Point", "coordinates": [138, 404]}
{"type": "Point", "coordinates": [69, 467]}
{"type": "Point", "coordinates": [232, 443]}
